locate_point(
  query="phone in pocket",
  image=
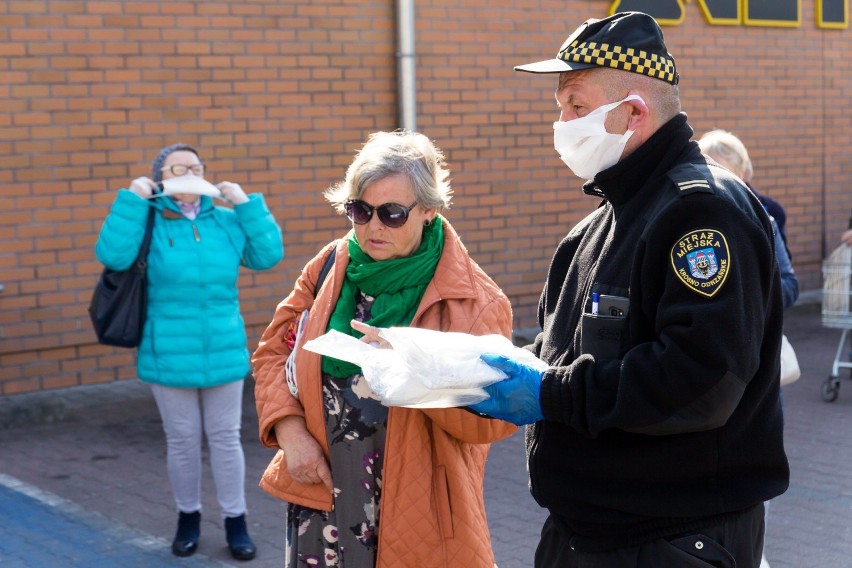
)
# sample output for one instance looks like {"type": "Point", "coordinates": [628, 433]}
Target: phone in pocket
{"type": "Point", "coordinates": [613, 306]}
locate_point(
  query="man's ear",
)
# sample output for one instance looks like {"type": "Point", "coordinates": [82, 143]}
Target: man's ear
{"type": "Point", "coordinates": [639, 112]}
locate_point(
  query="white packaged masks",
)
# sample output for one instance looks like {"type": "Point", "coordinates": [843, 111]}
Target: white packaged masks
{"type": "Point", "coordinates": [424, 368]}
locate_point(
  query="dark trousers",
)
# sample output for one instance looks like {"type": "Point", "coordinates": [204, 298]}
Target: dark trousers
{"type": "Point", "coordinates": [737, 543]}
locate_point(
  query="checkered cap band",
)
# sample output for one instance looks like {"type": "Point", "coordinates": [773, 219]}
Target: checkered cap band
{"type": "Point", "coordinates": [618, 57]}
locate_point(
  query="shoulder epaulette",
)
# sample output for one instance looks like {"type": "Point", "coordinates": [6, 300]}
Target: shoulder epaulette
{"type": "Point", "coordinates": [688, 178]}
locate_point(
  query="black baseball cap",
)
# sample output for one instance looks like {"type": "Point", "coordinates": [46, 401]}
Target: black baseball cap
{"type": "Point", "coordinates": [630, 41]}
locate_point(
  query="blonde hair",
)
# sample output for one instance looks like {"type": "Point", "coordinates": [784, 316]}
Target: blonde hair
{"type": "Point", "coordinates": [728, 150]}
{"type": "Point", "coordinates": [399, 152]}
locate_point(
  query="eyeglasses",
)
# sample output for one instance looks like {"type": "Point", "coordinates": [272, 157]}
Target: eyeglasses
{"type": "Point", "coordinates": [391, 215]}
{"type": "Point", "coordinates": [181, 169]}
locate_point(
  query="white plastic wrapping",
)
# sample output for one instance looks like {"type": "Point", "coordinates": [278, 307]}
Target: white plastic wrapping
{"type": "Point", "coordinates": [424, 368]}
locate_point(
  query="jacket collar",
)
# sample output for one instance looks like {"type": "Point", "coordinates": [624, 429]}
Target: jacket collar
{"type": "Point", "coordinates": [453, 277]}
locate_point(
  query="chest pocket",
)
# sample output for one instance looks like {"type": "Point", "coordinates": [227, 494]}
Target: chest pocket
{"type": "Point", "coordinates": [603, 336]}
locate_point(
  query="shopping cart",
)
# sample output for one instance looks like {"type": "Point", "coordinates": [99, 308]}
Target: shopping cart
{"type": "Point", "coordinates": [836, 296]}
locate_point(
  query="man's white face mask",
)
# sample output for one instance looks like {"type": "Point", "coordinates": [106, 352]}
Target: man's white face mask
{"type": "Point", "coordinates": [584, 144]}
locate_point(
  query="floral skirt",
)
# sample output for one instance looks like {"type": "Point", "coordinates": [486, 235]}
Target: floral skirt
{"type": "Point", "coordinates": [356, 425]}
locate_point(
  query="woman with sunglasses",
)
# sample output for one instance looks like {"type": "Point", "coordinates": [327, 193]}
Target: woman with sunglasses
{"type": "Point", "coordinates": [369, 485]}
{"type": "Point", "coordinates": [193, 350]}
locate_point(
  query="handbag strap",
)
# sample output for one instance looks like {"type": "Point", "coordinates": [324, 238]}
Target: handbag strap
{"type": "Point", "coordinates": [329, 262]}
{"type": "Point", "coordinates": [146, 240]}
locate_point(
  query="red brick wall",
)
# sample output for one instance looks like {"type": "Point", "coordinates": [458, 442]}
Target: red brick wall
{"type": "Point", "coordinates": [279, 94]}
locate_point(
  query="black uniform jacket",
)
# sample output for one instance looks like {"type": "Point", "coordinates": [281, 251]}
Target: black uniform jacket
{"type": "Point", "coordinates": [662, 412]}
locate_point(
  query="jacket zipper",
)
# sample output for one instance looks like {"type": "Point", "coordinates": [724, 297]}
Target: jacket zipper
{"type": "Point", "coordinates": [195, 232]}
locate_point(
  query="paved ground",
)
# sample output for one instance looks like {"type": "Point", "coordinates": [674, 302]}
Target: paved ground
{"type": "Point", "coordinates": [83, 480]}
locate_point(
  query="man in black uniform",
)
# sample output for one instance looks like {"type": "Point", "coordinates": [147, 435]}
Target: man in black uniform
{"type": "Point", "coordinates": [656, 432]}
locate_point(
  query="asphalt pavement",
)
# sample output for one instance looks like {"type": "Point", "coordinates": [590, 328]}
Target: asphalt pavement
{"type": "Point", "coordinates": [83, 478]}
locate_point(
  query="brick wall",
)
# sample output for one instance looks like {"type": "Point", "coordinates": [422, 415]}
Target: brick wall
{"type": "Point", "coordinates": [279, 94]}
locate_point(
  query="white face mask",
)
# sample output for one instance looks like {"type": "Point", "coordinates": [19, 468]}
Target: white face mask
{"type": "Point", "coordinates": [584, 144]}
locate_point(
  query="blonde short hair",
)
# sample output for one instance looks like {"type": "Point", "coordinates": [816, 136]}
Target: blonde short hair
{"type": "Point", "coordinates": [728, 150]}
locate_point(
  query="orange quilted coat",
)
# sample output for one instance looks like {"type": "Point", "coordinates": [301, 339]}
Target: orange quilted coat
{"type": "Point", "coordinates": [432, 509]}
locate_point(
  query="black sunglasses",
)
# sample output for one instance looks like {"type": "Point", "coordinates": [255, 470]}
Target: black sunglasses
{"type": "Point", "coordinates": [391, 215]}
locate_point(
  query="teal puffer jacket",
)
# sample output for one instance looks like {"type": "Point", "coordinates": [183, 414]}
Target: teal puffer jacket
{"type": "Point", "coordinates": [194, 335]}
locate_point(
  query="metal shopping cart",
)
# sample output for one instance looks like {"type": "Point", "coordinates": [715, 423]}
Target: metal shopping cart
{"type": "Point", "coordinates": [836, 303]}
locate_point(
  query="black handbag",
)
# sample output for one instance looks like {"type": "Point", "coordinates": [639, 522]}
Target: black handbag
{"type": "Point", "coordinates": [120, 299]}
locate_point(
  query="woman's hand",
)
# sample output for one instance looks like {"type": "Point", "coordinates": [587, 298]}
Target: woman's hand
{"type": "Point", "coordinates": [371, 334]}
{"type": "Point", "coordinates": [305, 460]}
{"type": "Point", "coordinates": [232, 192]}
{"type": "Point", "coordinates": [143, 187]}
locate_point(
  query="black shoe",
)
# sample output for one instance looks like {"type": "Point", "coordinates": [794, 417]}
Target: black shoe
{"type": "Point", "coordinates": [188, 531]}
{"type": "Point", "coordinates": [239, 541]}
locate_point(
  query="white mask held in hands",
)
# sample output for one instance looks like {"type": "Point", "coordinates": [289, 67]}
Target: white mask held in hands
{"type": "Point", "coordinates": [584, 144]}
{"type": "Point", "coordinates": [190, 184]}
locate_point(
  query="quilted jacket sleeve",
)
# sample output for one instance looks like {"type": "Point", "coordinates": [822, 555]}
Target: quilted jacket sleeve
{"type": "Point", "coordinates": [272, 396]}
{"type": "Point", "coordinates": [264, 246]}
{"type": "Point", "coordinates": [123, 230]}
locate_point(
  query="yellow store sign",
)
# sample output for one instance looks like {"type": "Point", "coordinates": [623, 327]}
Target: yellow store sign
{"type": "Point", "coordinates": [831, 14]}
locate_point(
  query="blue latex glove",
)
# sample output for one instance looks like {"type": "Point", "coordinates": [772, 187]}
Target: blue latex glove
{"type": "Point", "coordinates": [516, 398]}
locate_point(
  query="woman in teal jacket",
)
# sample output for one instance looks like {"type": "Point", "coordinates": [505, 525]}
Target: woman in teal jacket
{"type": "Point", "coordinates": [193, 350]}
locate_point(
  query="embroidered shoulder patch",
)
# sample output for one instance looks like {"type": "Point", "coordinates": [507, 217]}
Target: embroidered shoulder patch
{"type": "Point", "coordinates": [701, 260]}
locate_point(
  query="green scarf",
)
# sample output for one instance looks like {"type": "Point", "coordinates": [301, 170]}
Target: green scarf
{"type": "Point", "coordinates": [396, 284]}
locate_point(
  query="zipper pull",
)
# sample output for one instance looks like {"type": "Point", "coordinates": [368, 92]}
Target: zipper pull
{"type": "Point", "coordinates": [195, 231]}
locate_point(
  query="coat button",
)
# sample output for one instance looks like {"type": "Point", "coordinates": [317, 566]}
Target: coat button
{"type": "Point", "coordinates": [699, 545]}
